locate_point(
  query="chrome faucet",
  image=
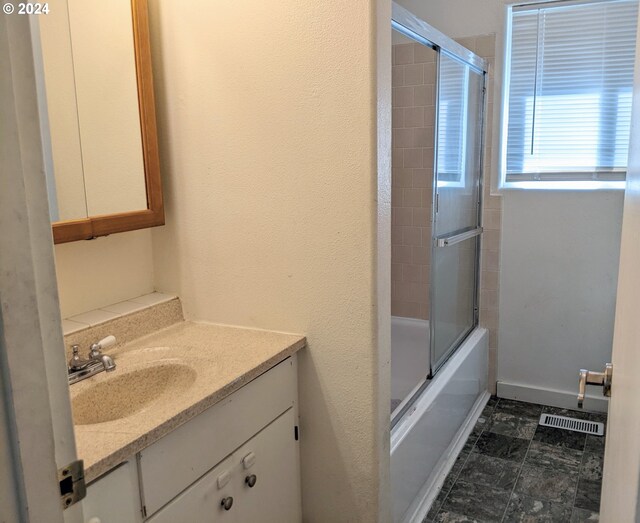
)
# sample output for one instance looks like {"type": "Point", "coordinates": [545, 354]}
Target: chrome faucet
{"type": "Point", "coordinates": [80, 369]}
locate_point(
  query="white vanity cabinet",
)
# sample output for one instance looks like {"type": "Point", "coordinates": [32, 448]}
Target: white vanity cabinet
{"type": "Point", "coordinates": [269, 463]}
{"type": "Point", "coordinates": [257, 483]}
{"type": "Point", "coordinates": [238, 461]}
{"type": "Point", "coordinates": [115, 497]}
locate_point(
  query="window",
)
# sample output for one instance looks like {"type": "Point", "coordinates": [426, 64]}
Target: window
{"type": "Point", "coordinates": [453, 87]}
{"type": "Point", "coordinates": [569, 79]}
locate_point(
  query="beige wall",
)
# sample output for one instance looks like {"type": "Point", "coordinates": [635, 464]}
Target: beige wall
{"type": "Point", "coordinates": [413, 81]}
{"type": "Point", "coordinates": [95, 273]}
{"type": "Point", "coordinates": [267, 118]}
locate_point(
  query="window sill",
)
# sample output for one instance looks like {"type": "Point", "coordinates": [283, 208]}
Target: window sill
{"type": "Point", "coordinates": [563, 186]}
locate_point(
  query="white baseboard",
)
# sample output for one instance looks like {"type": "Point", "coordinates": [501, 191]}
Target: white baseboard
{"type": "Point", "coordinates": [553, 398]}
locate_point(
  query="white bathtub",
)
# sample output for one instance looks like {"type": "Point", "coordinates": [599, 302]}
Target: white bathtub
{"type": "Point", "coordinates": [409, 357]}
{"type": "Point", "coordinates": [426, 441]}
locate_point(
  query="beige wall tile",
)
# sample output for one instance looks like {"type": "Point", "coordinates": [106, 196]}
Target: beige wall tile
{"type": "Point", "coordinates": [490, 280]}
{"type": "Point", "coordinates": [422, 217]}
{"type": "Point", "coordinates": [397, 118]}
{"type": "Point", "coordinates": [401, 216]}
{"type": "Point", "coordinates": [426, 237]}
{"type": "Point", "coordinates": [402, 138]}
{"type": "Point", "coordinates": [396, 272]}
{"type": "Point", "coordinates": [412, 236]}
{"type": "Point", "coordinates": [492, 202]}
{"type": "Point", "coordinates": [405, 309]}
{"type": "Point", "coordinates": [424, 95]}
{"type": "Point", "coordinates": [401, 254]}
{"type": "Point", "coordinates": [414, 117]}
{"type": "Point", "coordinates": [491, 240]}
{"type": "Point", "coordinates": [396, 157]}
{"type": "Point", "coordinates": [397, 76]}
{"type": "Point", "coordinates": [412, 273]}
{"type": "Point", "coordinates": [400, 177]}
{"type": "Point", "coordinates": [403, 54]}
{"type": "Point", "coordinates": [421, 177]}
{"type": "Point", "coordinates": [492, 219]}
{"type": "Point", "coordinates": [396, 198]}
{"type": "Point", "coordinates": [396, 235]}
{"type": "Point", "coordinates": [488, 299]}
{"type": "Point", "coordinates": [402, 96]}
{"type": "Point", "coordinates": [429, 116]}
{"type": "Point", "coordinates": [490, 260]}
{"type": "Point", "coordinates": [423, 54]}
{"type": "Point", "coordinates": [421, 255]}
{"type": "Point", "coordinates": [428, 157]}
{"type": "Point", "coordinates": [412, 197]}
{"type": "Point", "coordinates": [424, 136]}
{"type": "Point", "coordinates": [413, 74]}
{"type": "Point", "coordinates": [412, 157]}
{"type": "Point", "coordinates": [430, 73]}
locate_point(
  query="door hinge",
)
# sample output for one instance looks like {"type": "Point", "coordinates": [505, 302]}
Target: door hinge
{"type": "Point", "coordinates": [296, 433]}
{"type": "Point", "coordinates": [72, 485]}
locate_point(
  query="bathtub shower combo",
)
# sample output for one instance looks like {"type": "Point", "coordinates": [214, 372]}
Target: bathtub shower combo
{"type": "Point", "coordinates": [439, 355]}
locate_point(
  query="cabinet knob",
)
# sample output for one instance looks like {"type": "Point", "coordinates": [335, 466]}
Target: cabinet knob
{"type": "Point", "coordinates": [227, 503]}
{"type": "Point", "coordinates": [251, 480]}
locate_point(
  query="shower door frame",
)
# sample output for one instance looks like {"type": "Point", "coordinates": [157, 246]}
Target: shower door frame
{"type": "Point", "coordinates": [421, 32]}
{"type": "Point", "coordinates": [442, 242]}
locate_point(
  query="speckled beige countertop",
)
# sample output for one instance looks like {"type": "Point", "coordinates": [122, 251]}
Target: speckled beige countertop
{"type": "Point", "coordinates": [185, 368]}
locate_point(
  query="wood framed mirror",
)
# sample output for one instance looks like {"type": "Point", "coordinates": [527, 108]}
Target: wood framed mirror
{"type": "Point", "coordinates": [103, 172]}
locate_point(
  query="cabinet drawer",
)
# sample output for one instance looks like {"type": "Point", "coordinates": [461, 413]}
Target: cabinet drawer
{"type": "Point", "coordinates": [181, 457]}
{"type": "Point", "coordinates": [203, 501]}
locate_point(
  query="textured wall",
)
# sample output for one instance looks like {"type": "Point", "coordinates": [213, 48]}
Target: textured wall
{"type": "Point", "coordinates": [558, 288]}
{"type": "Point", "coordinates": [95, 273]}
{"type": "Point", "coordinates": [267, 116]}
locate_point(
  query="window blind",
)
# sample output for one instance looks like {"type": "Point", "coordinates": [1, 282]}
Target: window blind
{"type": "Point", "coordinates": [570, 81]}
{"type": "Point", "coordinates": [452, 110]}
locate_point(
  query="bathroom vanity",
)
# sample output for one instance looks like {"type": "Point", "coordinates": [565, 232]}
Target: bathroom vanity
{"type": "Point", "coordinates": [199, 422]}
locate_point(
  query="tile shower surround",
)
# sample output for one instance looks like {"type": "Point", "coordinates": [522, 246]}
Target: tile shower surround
{"type": "Point", "coordinates": [413, 83]}
{"type": "Point", "coordinates": [513, 470]}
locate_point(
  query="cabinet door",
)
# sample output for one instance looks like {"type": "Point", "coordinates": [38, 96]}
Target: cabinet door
{"type": "Point", "coordinates": [270, 463]}
{"type": "Point", "coordinates": [204, 501]}
{"type": "Point", "coordinates": [115, 497]}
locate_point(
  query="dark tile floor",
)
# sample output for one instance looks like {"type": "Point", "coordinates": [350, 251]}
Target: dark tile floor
{"type": "Point", "coordinates": [512, 470]}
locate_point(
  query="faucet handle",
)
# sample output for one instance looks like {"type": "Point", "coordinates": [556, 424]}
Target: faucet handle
{"type": "Point", "coordinates": [75, 357]}
{"type": "Point", "coordinates": [75, 362]}
{"type": "Point", "coordinates": [107, 342]}
{"type": "Point", "coordinates": [99, 346]}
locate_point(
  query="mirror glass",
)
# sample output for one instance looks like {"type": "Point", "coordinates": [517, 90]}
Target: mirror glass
{"type": "Point", "coordinates": [96, 166]}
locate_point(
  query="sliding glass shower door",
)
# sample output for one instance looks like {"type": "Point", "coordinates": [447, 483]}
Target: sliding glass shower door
{"type": "Point", "coordinates": [456, 208]}
{"type": "Point", "coordinates": [438, 100]}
